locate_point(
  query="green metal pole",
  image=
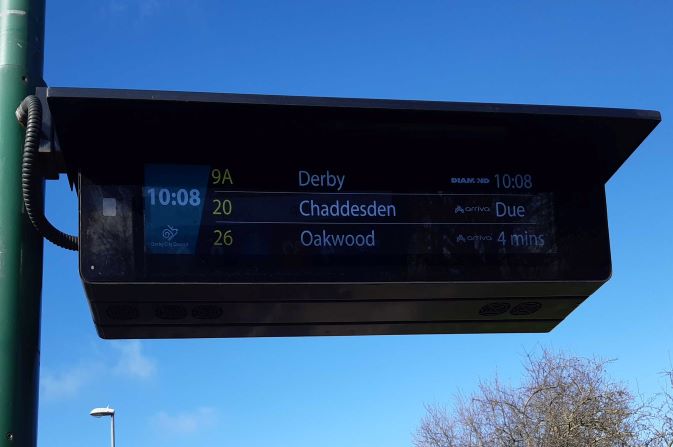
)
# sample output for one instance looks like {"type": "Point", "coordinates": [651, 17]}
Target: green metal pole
{"type": "Point", "coordinates": [21, 60]}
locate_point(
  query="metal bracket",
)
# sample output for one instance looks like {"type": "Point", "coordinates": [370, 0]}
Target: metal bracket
{"type": "Point", "coordinates": [51, 162]}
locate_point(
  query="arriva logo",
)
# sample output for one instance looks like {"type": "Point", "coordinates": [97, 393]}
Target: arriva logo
{"type": "Point", "coordinates": [471, 209]}
{"type": "Point", "coordinates": [474, 238]}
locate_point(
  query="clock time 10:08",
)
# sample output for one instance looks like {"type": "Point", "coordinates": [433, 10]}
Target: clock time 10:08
{"type": "Point", "coordinates": [174, 197]}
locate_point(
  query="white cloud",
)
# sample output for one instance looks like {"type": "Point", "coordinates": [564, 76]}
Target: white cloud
{"type": "Point", "coordinates": [185, 423]}
{"type": "Point", "coordinates": [132, 362]}
{"type": "Point", "coordinates": [67, 383]}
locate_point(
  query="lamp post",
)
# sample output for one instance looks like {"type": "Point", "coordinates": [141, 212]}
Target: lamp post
{"type": "Point", "coordinates": [100, 412]}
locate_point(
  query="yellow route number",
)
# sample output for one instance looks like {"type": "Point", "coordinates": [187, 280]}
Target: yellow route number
{"type": "Point", "coordinates": [223, 238]}
{"type": "Point", "coordinates": [222, 207]}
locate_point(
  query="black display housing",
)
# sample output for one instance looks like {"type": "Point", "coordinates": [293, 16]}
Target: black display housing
{"type": "Point", "coordinates": [109, 137]}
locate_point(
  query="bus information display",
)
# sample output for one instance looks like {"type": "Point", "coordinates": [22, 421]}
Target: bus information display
{"type": "Point", "coordinates": [198, 209]}
{"type": "Point", "coordinates": [228, 215]}
{"type": "Point", "coordinates": [304, 225]}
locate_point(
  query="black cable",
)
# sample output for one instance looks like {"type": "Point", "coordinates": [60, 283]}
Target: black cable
{"type": "Point", "coordinates": [29, 115]}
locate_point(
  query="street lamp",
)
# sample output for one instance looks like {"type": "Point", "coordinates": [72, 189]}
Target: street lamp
{"type": "Point", "coordinates": [100, 412]}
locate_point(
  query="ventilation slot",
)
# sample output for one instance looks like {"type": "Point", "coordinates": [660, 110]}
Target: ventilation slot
{"type": "Point", "coordinates": [493, 309]}
{"type": "Point", "coordinates": [525, 308]}
{"type": "Point", "coordinates": [171, 312]}
{"type": "Point", "coordinates": [122, 312]}
{"type": "Point", "coordinates": [206, 312]}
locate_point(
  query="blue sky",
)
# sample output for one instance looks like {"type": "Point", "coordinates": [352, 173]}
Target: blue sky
{"type": "Point", "coordinates": [358, 391]}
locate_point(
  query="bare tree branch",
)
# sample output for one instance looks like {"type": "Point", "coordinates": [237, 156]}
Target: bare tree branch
{"type": "Point", "coordinates": [562, 401]}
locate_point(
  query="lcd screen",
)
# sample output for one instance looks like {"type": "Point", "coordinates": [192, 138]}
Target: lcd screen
{"type": "Point", "coordinates": [230, 223]}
